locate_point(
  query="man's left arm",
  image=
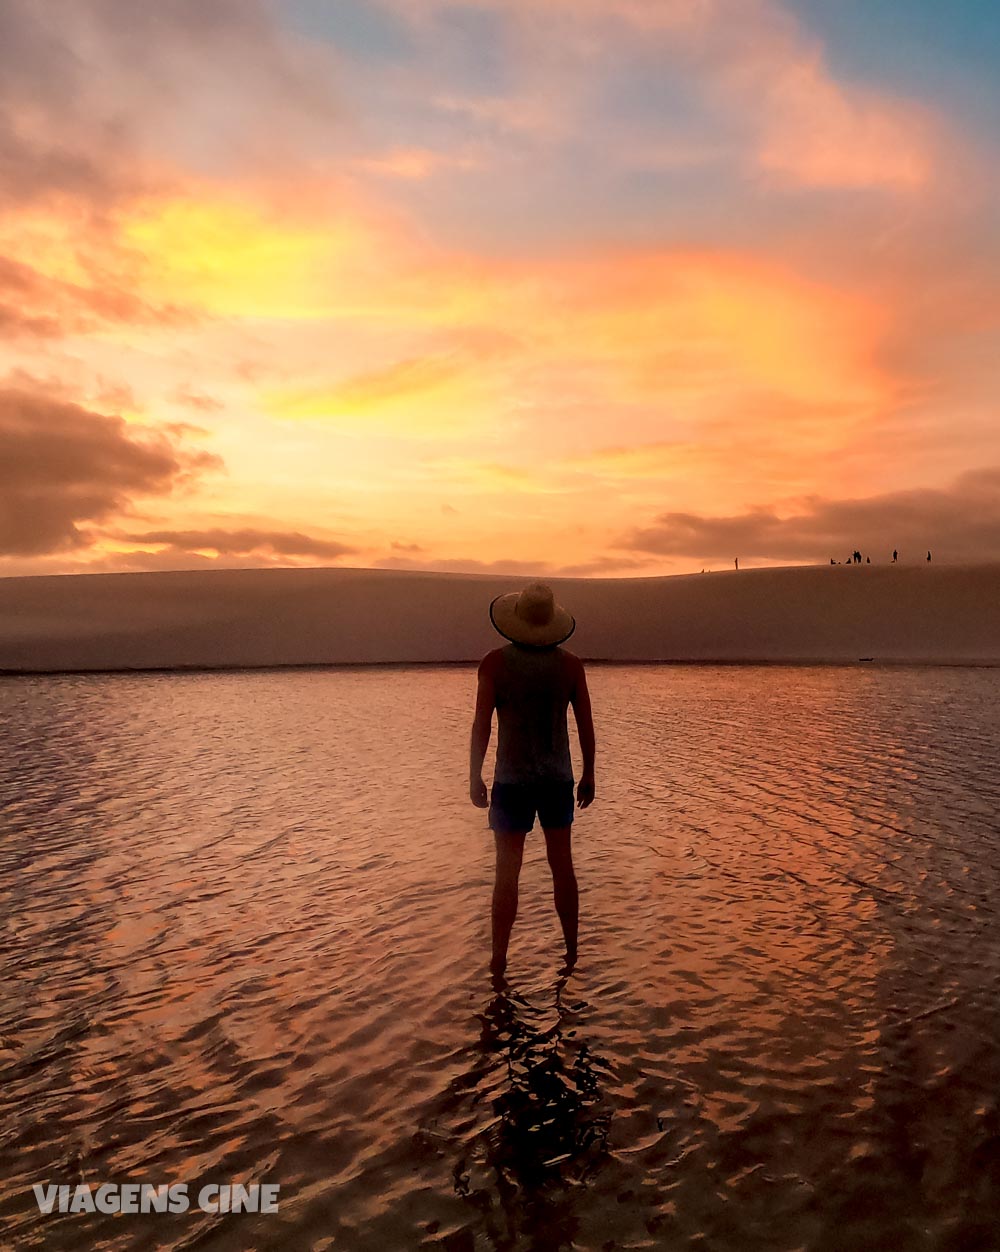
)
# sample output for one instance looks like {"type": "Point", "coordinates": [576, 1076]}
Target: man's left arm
{"type": "Point", "coordinates": [482, 725]}
{"type": "Point", "coordinates": [583, 713]}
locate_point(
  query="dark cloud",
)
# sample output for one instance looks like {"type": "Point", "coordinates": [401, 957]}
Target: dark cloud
{"type": "Point", "coordinates": [244, 542]}
{"type": "Point", "coordinates": [405, 547]}
{"type": "Point", "coordinates": [961, 522]}
{"type": "Point", "coordinates": [64, 467]}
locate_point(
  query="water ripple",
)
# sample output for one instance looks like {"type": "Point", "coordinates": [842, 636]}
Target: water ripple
{"type": "Point", "coordinates": [245, 929]}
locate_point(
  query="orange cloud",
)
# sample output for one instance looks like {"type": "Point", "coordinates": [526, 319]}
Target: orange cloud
{"type": "Point", "coordinates": [683, 323]}
{"type": "Point", "coordinates": [729, 360]}
{"type": "Point", "coordinates": [752, 444]}
{"type": "Point", "coordinates": [57, 279]}
{"type": "Point", "coordinates": [675, 331]}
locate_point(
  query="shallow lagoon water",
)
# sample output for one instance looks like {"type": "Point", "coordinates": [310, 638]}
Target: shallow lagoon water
{"type": "Point", "coordinates": [245, 937]}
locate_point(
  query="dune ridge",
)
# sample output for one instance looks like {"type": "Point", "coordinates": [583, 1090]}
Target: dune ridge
{"type": "Point", "coordinates": [320, 616]}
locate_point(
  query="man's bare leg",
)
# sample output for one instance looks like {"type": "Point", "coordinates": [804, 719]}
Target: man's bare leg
{"type": "Point", "coordinates": [567, 899]}
{"type": "Point", "coordinates": [510, 850]}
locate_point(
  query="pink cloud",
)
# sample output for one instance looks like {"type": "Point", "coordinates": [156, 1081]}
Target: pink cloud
{"type": "Point", "coordinates": [753, 60]}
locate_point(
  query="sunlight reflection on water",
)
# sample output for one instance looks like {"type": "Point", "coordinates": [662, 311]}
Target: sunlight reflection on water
{"type": "Point", "coordinates": [245, 936]}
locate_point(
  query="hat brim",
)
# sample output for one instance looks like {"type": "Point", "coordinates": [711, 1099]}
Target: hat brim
{"type": "Point", "coordinates": [503, 615]}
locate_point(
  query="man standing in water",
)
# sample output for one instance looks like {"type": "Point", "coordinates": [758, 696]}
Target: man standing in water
{"type": "Point", "coordinates": [531, 682]}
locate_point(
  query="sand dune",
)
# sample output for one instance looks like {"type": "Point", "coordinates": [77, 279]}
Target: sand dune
{"type": "Point", "coordinates": [224, 618]}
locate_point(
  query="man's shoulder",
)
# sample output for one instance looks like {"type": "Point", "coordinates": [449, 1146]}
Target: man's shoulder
{"type": "Point", "coordinates": [490, 662]}
{"type": "Point", "coordinates": [572, 661]}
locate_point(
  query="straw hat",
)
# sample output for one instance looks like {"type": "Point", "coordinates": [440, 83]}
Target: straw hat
{"type": "Point", "coordinates": [532, 617]}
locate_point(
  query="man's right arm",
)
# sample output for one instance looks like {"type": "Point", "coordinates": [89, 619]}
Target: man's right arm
{"type": "Point", "coordinates": [580, 700]}
{"type": "Point", "coordinates": [482, 724]}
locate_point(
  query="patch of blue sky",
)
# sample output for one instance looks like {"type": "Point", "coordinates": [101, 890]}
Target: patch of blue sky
{"type": "Point", "coordinates": [460, 49]}
{"type": "Point", "coordinates": [941, 53]}
{"type": "Point", "coordinates": [359, 29]}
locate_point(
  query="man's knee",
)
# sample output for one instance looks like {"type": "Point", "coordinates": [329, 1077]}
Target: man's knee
{"type": "Point", "coordinates": [507, 880]}
{"type": "Point", "coordinates": [559, 850]}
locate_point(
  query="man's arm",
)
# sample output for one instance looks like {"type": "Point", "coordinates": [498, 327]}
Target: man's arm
{"type": "Point", "coordinates": [482, 724]}
{"type": "Point", "coordinates": [580, 700]}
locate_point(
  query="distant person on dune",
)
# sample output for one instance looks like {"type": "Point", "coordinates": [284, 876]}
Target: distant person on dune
{"type": "Point", "coordinates": [928, 556]}
{"type": "Point", "coordinates": [895, 556]}
{"type": "Point", "coordinates": [531, 683]}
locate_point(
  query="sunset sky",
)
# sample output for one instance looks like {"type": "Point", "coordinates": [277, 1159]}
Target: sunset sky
{"type": "Point", "coordinates": [606, 287]}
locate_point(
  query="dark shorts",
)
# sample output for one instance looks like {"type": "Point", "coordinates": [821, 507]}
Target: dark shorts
{"type": "Point", "coordinates": [513, 806]}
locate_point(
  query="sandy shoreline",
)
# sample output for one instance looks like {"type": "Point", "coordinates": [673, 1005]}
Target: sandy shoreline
{"type": "Point", "coordinates": [593, 662]}
{"type": "Point", "coordinates": [238, 619]}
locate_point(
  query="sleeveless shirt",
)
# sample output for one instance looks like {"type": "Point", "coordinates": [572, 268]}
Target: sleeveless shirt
{"type": "Point", "coordinates": [533, 690]}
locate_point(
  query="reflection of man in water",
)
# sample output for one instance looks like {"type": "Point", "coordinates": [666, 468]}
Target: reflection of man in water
{"type": "Point", "coordinates": [531, 682]}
